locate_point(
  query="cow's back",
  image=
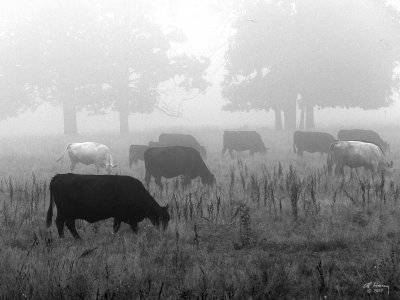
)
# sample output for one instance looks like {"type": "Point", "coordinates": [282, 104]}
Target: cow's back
{"type": "Point", "coordinates": [184, 140]}
{"type": "Point", "coordinates": [172, 161]}
{"type": "Point", "coordinates": [243, 140]}
{"type": "Point", "coordinates": [312, 141]}
{"type": "Point", "coordinates": [361, 135]}
{"type": "Point", "coordinates": [175, 139]}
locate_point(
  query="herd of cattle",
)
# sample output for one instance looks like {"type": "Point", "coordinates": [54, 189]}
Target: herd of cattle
{"type": "Point", "coordinates": [124, 198]}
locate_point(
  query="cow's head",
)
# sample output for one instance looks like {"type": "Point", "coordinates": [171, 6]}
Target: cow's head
{"type": "Point", "coordinates": [208, 180]}
{"type": "Point", "coordinates": [203, 152]}
{"type": "Point", "coordinates": [162, 218]}
{"type": "Point", "coordinates": [136, 154]}
{"type": "Point", "coordinates": [263, 151]}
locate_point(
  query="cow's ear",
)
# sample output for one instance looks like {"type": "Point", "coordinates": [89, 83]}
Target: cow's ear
{"type": "Point", "coordinates": [166, 207]}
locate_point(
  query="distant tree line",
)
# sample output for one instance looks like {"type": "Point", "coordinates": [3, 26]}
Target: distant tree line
{"type": "Point", "coordinates": [331, 53]}
{"type": "Point", "coordinates": [97, 55]}
{"type": "Point", "coordinates": [283, 55]}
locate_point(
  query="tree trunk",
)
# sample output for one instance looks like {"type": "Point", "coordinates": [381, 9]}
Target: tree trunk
{"type": "Point", "coordinates": [278, 119]}
{"type": "Point", "coordinates": [302, 115]}
{"type": "Point", "coordinates": [309, 116]}
{"type": "Point", "coordinates": [290, 117]}
{"type": "Point", "coordinates": [69, 113]}
{"type": "Point", "coordinates": [124, 116]}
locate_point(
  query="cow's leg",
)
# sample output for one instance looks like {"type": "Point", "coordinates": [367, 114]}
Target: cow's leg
{"type": "Point", "coordinates": [134, 226]}
{"type": "Point", "coordinates": [223, 151]}
{"type": "Point", "coordinates": [251, 153]}
{"type": "Point", "coordinates": [231, 153]}
{"type": "Point", "coordinates": [147, 179]}
{"type": "Point", "coordinates": [73, 165]}
{"type": "Point", "coordinates": [339, 169]}
{"type": "Point", "coordinates": [117, 225]}
{"type": "Point", "coordinates": [71, 226]}
{"type": "Point", "coordinates": [366, 171]}
{"type": "Point", "coordinates": [186, 180]}
{"type": "Point", "coordinates": [60, 225]}
{"type": "Point", "coordinates": [158, 181]}
{"type": "Point", "coordinates": [97, 168]}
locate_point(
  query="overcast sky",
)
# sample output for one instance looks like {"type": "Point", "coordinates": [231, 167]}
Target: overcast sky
{"type": "Point", "coordinates": [207, 34]}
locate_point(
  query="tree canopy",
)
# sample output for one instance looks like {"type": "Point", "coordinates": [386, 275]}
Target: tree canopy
{"type": "Point", "coordinates": [97, 55]}
{"type": "Point", "coordinates": [331, 53]}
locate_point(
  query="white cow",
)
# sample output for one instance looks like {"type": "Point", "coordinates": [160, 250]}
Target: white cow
{"type": "Point", "coordinates": [89, 153]}
{"type": "Point", "coordinates": [355, 154]}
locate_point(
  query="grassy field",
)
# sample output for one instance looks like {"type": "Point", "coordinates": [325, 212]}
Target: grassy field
{"type": "Point", "coordinates": [274, 227]}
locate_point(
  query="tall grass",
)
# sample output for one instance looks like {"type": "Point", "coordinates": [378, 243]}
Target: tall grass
{"type": "Point", "coordinates": [274, 226]}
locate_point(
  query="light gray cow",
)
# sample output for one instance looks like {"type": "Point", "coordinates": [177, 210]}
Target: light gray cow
{"type": "Point", "coordinates": [355, 154]}
{"type": "Point", "coordinates": [89, 153]}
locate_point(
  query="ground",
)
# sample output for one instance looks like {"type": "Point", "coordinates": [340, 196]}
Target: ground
{"type": "Point", "coordinates": [275, 227]}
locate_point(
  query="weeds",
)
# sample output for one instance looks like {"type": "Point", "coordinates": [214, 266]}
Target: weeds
{"type": "Point", "coordinates": [197, 256]}
{"type": "Point", "coordinates": [293, 186]}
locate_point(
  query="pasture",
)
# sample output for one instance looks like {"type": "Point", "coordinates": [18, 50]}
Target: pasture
{"type": "Point", "coordinates": [274, 227]}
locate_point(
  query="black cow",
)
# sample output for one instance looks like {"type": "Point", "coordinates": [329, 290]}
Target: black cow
{"type": "Point", "coordinates": [136, 153]}
{"type": "Point", "coordinates": [312, 142]}
{"type": "Point", "coordinates": [184, 140]}
{"type": "Point", "coordinates": [242, 141]}
{"type": "Point", "coordinates": [363, 135]}
{"type": "Point", "coordinates": [98, 197]}
{"type": "Point", "coordinates": [173, 161]}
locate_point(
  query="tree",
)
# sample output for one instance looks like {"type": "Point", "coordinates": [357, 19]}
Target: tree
{"type": "Point", "coordinates": [138, 67]}
{"type": "Point", "coordinates": [57, 53]}
{"type": "Point", "coordinates": [331, 53]}
{"type": "Point", "coordinates": [16, 92]}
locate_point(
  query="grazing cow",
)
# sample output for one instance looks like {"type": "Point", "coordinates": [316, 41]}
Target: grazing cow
{"type": "Point", "coordinates": [242, 141]}
{"type": "Point", "coordinates": [355, 154]}
{"type": "Point", "coordinates": [363, 135]}
{"type": "Point", "coordinates": [173, 161]}
{"type": "Point", "coordinates": [155, 144]}
{"type": "Point", "coordinates": [136, 153]}
{"type": "Point", "coordinates": [99, 197]}
{"type": "Point", "coordinates": [184, 140]}
{"type": "Point", "coordinates": [311, 142]}
{"type": "Point", "coordinates": [89, 153]}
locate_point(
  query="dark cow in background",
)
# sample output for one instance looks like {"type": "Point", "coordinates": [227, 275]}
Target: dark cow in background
{"type": "Point", "coordinates": [136, 153]}
{"type": "Point", "coordinates": [363, 135]}
{"type": "Point", "coordinates": [356, 154]}
{"type": "Point", "coordinates": [312, 142]}
{"type": "Point", "coordinates": [173, 161]}
{"type": "Point", "coordinates": [178, 139]}
{"type": "Point", "coordinates": [98, 197]}
{"type": "Point", "coordinates": [242, 141]}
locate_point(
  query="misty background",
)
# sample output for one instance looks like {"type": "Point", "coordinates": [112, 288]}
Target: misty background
{"type": "Point", "coordinates": [115, 66]}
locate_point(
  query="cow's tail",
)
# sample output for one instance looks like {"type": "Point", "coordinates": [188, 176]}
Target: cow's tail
{"type": "Point", "coordinates": [50, 210]}
{"type": "Point", "coordinates": [62, 155]}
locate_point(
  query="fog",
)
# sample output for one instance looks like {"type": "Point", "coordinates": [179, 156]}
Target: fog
{"type": "Point", "coordinates": [188, 96]}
